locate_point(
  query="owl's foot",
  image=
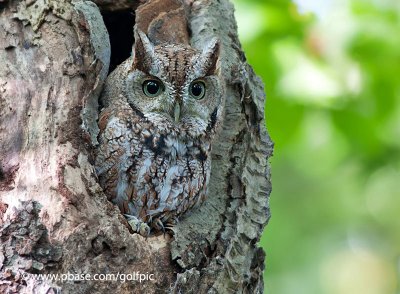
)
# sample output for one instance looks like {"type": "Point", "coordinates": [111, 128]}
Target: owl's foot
{"type": "Point", "coordinates": [159, 226]}
{"type": "Point", "coordinates": [164, 223]}
{"type": "Point", "coordinates": [171, 223]}
{"type": "Point", "coordinates": [138, 225]}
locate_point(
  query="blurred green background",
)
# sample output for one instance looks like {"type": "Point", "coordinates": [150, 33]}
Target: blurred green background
{"type": "Point", "coordinates": [332, 75]}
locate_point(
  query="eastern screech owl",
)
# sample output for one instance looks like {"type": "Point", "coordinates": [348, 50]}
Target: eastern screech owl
{"type": "Point", "coordinates": [162, 108]}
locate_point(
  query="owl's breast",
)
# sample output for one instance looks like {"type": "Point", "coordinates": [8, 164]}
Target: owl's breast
{"type": "Point", "coordinates": [151, 173]}
{"type": "Point", "coordinates": [172, 173]}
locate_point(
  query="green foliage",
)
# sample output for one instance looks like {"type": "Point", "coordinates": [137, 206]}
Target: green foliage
{"type": "Point", "coordinates": [333, 110]}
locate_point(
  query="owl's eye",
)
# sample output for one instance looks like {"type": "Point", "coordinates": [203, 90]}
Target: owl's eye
{"type": "Point", "coordinates": [152, 88]}
{"type": "Point", "coordinates": [197, 89]}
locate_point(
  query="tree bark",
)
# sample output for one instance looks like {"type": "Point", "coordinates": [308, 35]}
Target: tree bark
{"type": "Point", "coordinates": [54, 217]}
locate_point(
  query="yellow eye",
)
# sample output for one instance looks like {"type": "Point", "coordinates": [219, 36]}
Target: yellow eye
{"type": "Point", "coordinates": [152, 88]}
{"type": "Point", "coordinates": [197, 90]}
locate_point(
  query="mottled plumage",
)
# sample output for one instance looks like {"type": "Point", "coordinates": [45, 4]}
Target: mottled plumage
{"type": "Point", "coordinates": [161, 111]}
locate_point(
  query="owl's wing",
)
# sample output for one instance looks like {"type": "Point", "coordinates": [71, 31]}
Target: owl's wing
{"type": "Point", "coordinates": [115, 155]}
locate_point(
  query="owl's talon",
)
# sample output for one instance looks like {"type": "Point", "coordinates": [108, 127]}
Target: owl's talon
{"type": "Point", "coordinates": [170, 225]}
{"type": "Point", "coordinates": [159, 225]}
{"type": "Point", "coordinates": [172, 222]}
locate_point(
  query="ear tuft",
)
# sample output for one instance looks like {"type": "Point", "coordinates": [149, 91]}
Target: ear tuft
{"type": "Point", "coordinates": [143, 51]}
{"type": "Point", "coordinates": [212, 52]}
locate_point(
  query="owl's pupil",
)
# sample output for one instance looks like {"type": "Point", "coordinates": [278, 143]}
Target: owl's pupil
{"type": "Point", "coordinates": [152, 87]}
{"type": "Point", "coordinates": [197, 89]}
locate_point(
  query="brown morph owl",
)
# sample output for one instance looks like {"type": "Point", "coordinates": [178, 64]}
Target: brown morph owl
{"type": "Point", "coordinates": [162, 109]}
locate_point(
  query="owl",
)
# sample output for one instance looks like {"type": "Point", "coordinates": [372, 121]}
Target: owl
{"type": "Point", "coordinates": [161, 112]}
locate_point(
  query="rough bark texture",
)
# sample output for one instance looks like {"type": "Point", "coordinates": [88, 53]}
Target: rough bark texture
{"type": "Point", "coordinates": [54, 58]}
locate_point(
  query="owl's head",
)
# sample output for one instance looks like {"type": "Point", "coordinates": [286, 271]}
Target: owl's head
{"type": "Point", "coordinates": [176, 86]}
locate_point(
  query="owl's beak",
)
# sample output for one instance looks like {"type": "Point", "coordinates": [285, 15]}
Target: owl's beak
{"type": "Point", "coordinates": [177, 112]}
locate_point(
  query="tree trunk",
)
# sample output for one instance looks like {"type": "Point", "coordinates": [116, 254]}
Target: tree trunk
{"type": "Point", "coordinates": [54, 217]}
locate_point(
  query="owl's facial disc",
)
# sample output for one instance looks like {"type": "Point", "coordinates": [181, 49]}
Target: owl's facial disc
{"type": "Point", "coordinates": [176, 87]}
